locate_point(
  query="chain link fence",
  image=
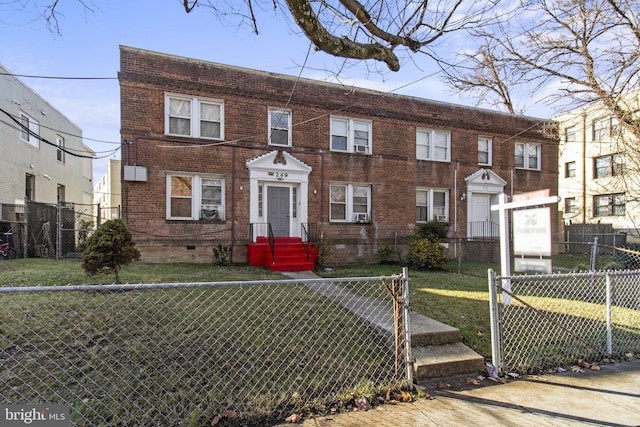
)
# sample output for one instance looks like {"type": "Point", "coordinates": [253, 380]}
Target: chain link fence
{"type": "Point", "coordinates": [184, 354]}
{"type": "Point", "coordinates": [543, 321]}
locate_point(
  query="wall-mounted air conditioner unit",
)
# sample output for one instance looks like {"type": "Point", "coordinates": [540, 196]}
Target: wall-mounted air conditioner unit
{"type": "Point", "coordinates": [361, 217]}
{"type": "Point", "coordinates": [210, 212]}
{"type": "Point", "coordinates": [361, 148]}
{"type": "Point", "coordinates": [441, 218]}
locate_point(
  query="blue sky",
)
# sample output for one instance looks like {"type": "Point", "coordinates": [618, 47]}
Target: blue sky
{"type": "Point", "coordinates": [89, 47]}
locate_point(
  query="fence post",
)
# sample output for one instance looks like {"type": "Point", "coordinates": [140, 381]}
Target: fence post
{"type": "Point", "coordinates": [494, 316]}
{"type": "Point", "coordinates": [594, 250]}
{"type": "Point", "coordinates": [407, 325]}
{"type": "Point", "coordinates": [59, 231]}
{"type": "Point", "coordinates": [608, 306]}
{"type": "Point", "coordinates": [592, 266]}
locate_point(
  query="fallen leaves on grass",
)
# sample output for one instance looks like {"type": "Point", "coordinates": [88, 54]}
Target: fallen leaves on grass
{"type": "Point", "coordinates": [293, 418]}
{"type": "Point", "coordinates": [230, 414]}
{"type": "Point", "coordinates": [362, 404]}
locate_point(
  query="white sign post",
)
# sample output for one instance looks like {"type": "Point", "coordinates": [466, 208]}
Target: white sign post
{"type": "Point", "coordinates": [503, 208]}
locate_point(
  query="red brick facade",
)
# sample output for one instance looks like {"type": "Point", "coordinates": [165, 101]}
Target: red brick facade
{"type": "Point", "coordinates": [391, 171]}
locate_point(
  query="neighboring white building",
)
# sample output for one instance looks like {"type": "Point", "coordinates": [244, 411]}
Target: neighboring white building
{"type": "Point", "coordinates": [43, 157]}
{"type": "Point", "coordinates": [106, 193]}
{"type": "Point", "coordinates": [598, 170]}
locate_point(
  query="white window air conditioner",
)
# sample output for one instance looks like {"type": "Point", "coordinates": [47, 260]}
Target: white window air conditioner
{"type": "Point", "coordinates": [210, 212]}
{"type": "Point", "coordinates": [361, 217]}
{"type": "Point", "coordinates": [441, 218]}
{"type": "Point", "coordinates": [361, 148]}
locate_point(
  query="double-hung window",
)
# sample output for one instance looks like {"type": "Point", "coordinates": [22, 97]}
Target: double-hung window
{"type": "Point", "coordinates": [571, 134]}
{"type": "Point", "coordinates": [484, 151]}
{"type": "Point", "coordinates": [610, 165]}
{"type": "Point", "coordinates": [433, 145]}
{"type": "Point", "coordinates": [609, 205]}
{"type": "Point", "coordinates": [194, 117]}
{"type": "Point", "coordinates": [195, 197]}
{"type": "Point", "coordinates": [29, 130]}
{"type": "Point", "coordinates": [570, 205]}
{"type": "Point", "coordinates": [350, 203]}
{"type": "Point", "coordinates": [570, 169]}
{"type": "Point", "coordinates": [432, 205]}
{"type": "Point", "coordinates": [350, 135]}
{"type": "Point", "coordinates": [527, 155]}
{"type": "Point", "coordinates": [601, 129]}
{"type": "Point", "coordinates": [279, 127]}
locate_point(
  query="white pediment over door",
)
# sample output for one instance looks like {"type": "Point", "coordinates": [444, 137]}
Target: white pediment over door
{"type": "Point", "coordinates": [484, 181]}
{"type": "Point", "coordinates": [273, 166]}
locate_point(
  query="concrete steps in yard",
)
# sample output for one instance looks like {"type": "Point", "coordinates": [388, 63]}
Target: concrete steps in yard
{"type": "Point", "coordinates": [438, 350]}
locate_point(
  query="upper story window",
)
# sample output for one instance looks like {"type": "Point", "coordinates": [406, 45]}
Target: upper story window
{"type": "Point", "coordinates": [604, 129]}
{"type": "Point", "coordinates": [194, 117]}
{"type": "Point", "coordinates": [527, 155]}
{"type": "Point", "coordinates": [195, 197]}
{"type": "Point", "coordinates": [29, 130]}
{"type": "Point", "coordinates": [570, 169]}
{"type": "Point", "coordinates": [571, 134]}
{"type": "Point", "coordinates": [610, 165]}
{"type": "Point", "coordinates": [350, 135]}
{"type": "Point", "coordinates": [433, 145]}
{"type": "Point", "coordinates": [279, 127]}
{"type": "Point", "coordinates": [60, 154]}
{"type": "Point", "coordinates": [484, 150]}
{"type": "Point", "coordinates": [350, 203]}
{"type": "Point", "coordinates": [432, 205]}
{"type": "Point", "coordinates": [570, 205]}
{"type": "Point", "coordinates": [609, 205]}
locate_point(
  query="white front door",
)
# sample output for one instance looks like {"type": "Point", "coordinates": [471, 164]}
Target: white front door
{"type": "Point", "coordinates": [481, 221]}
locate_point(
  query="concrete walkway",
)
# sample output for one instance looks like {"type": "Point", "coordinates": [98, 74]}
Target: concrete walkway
{"type": "Point", "coordinates": [609, 397]}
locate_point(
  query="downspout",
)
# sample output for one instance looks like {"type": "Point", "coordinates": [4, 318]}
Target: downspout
{"type": "Point", "coordinates": [584, 167]}
{"type": "Point", "coordinates": [233, 201]}
{"type": "Point", "coordinates": [455, 199]}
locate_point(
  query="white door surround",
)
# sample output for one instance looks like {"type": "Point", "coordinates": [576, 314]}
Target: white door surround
{"type": "Point", "coordinates": [482, 190]}
{"type": "Point", "coordinates": [279, 169]}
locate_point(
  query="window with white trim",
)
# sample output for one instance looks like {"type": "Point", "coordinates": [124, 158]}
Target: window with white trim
{"type": "Point", "coordinates": [484, 150]}
{"type": "Point", "coordinates": [350, 135]}
{"type": "Point", "coordinates": [194, 117]}
{"type": "Point", "coordinates": [60, 154]}
{"type": "Point", "coordinates": [527, 155]}
{"type": "Point", "coordinates": [29, 130]}
{"type": "Point", "coordinates": [279, 127]}
{"type": "Point", "coordinates": [432, 205]}
{"type": "Point", "coordinates": [350, 203]}
{"type": "Point", "coordinates": [434, 145]}
{"type": "Point", "coordinates": [195, 197]}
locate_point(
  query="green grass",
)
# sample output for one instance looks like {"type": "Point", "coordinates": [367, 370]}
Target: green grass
{"type": "Point", "coordinates": [180, 356]}
{"type": "Point", "coordinates": [458, 300]}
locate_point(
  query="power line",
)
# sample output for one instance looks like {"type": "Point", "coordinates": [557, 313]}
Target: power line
{"type": "Point", "coordinates": [30, 76]}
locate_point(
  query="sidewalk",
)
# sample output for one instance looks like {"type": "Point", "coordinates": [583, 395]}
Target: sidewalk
{"type": "Point", "coordinates": [609, 397]}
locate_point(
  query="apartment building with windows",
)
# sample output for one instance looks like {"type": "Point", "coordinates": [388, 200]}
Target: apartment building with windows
{"type": "Point", "coordinates": [222, 155]}
{"type": "Point", "coordinates": [44, 159]}
{"type": "Point", "coordinates": [598, 174]}
{"type": "Point", "coordinates": [106, 192]}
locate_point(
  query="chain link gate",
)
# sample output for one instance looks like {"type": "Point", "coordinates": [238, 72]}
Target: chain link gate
{"type": "Point", "coordinates": [183, 354]}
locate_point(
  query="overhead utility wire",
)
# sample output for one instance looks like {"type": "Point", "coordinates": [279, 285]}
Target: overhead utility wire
{"type": "Point", "coordinates": [35, 135]}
